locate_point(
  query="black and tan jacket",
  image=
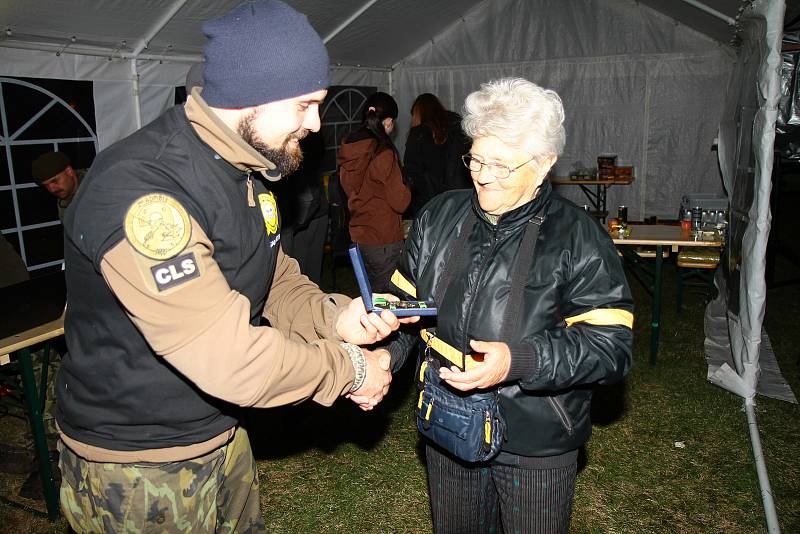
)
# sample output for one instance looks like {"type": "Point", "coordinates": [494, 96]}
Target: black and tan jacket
{"type": "Point", "coordinates": [165, 343]}
{"type": "Point", "coordinates": [573, 329]}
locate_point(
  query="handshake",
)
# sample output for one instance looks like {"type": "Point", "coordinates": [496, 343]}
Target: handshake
{"type": "Point", "coordinates": [376, 378]}
{"type": "Point", "coordinates": [356, 326]}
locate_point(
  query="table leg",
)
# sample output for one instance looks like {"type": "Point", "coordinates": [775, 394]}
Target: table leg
{"type": "Point", "coordinates": [590, 196]}
{"type": "Point", "coordinates": [602, 191]}
{"type": "Point", "coordinates": [656, 322]}
{"type": "Point", "coordinates": [43, 378]}
{"type": "Point", "coordinates": [596, 198]}
{"type": "Point", "coordinates": [34, 405]}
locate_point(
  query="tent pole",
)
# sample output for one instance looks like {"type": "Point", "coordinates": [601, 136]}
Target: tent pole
{"type": "Point", "coordinates": [773, 527]}
{"type": "Point", "coordinates": [711, 11]}
{"type": "Point", "coordinates": [143, 43]}
{"type": "Point", "coordinates": [348, 21]}
{"type": "Point", "coordinates": [137, 104]}
{"type": "Point", "coordinates": [158, 26]}
{"type": "Point", "coordinates": [96, 51]}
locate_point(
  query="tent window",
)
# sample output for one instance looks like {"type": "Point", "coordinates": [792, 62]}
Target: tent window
{"type": "Point", "coordinates": [340, 114]}
{"type": "Point", "coordinates": [40, 115]}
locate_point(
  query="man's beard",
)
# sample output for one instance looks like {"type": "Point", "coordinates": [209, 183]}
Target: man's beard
{"type": "Point", "coordinates": [286, 158]}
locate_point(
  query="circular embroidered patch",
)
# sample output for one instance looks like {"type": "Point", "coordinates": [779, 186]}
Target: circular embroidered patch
{"type": "Point", "coordinates": [157, 226]}
{"type": "Point", "coordinates": [269, 210]}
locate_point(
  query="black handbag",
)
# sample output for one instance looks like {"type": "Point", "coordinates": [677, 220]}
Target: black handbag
{"type": "Point", "coordinates": [470, 426]}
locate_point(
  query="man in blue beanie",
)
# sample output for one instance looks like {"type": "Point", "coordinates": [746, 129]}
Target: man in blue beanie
{"type": "Point", "coordinates": [182, 305]}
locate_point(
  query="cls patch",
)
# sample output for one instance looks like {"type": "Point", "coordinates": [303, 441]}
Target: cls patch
{"type": "Point", "coordinates": [269, 210]}
{"type": "Point", "coordinates": [175, 271]}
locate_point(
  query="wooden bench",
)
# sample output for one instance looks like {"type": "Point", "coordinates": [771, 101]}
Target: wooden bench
{"type": "Point", "coordinates": [696, 263]}
{"type": "Point", "coordinates": [644, 251]}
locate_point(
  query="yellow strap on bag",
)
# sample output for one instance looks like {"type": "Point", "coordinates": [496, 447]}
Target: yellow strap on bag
{"type": "Point", "coordinates": [452, 354]}
{"type": "Point", "coordinates": [487, 430]}
{"type": "Point", "coordinates": [401, 282]}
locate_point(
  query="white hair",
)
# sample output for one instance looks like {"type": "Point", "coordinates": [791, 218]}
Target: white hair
{"type": "Point", "coordinates": [519, 113]}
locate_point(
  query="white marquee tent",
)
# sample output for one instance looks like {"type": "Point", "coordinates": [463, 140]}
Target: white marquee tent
{"type": "Point", "coordinates": [636, 82]}
{"type": "Point", "coordinates": [656, 82]}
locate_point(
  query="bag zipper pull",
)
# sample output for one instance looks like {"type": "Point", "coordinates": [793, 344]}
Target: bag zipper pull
{"type": "Point", "coordinates": [487, 430]}
{"type": "Point", "coordinates": [428, 344]}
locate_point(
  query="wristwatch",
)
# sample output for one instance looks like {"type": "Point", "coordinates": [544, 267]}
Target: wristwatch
{"type": "Point", "coordinates": [359, 365]}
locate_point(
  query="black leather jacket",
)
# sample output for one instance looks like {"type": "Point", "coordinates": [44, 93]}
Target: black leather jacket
{"type": "Point", "coordinates": [574, 326]}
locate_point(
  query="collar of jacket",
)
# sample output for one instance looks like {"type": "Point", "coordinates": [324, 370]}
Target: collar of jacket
{"type": "Point", "coordinates": [79, 175]}
{"type": "Point", "coordinates": [521, 215]}
{"type": "Point", "coordinates": [224, 141]}
{"type": "Point", "coordinates": [359, 135]}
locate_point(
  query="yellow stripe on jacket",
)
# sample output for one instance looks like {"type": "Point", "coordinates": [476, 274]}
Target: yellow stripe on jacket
{"type": "Point", "coordinates": [603, 317]}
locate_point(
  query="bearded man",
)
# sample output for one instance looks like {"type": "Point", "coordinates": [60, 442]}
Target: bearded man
{"type": "Point", "coordinates": [181, 303]}
{"type": "Point", "coordinates": [54, 173]}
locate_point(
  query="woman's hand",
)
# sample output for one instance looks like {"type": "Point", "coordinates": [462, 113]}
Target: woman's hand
{"type": "Point", "coordinates": [493, 370]}
{"type": "Point", "coordinates": [355, 325]}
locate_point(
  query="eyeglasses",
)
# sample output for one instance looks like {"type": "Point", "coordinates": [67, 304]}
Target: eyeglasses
{"type": "Point", "coordinates": [498, 170]}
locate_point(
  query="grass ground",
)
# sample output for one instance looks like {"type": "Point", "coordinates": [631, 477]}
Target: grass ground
{"type": "Point", "coordinates": [670, 452]}
{"type": "Point", "coordinates": [348, 472]}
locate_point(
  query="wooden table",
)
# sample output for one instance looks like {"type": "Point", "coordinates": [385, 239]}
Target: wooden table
{"type": "Point", "coordinates": [18, 347]}
{"type": "Point", "coordinates": [596, 197]}
{"type": "Point", "coordinates": [660, 236]}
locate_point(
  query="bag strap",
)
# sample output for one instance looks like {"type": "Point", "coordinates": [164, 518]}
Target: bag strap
{"type": "Point", "coordinates": [456, 257]}
{"type": "Point", "coordinates": [521, 269]}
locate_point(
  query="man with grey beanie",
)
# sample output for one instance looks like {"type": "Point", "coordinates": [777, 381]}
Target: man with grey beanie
{"type": "Point", "coordinates": [183, 306]}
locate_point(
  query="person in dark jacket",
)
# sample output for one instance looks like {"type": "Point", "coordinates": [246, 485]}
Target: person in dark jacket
{"type": "Point", "coordinates": [304, 209]}
{"type": "Point", "coordinates": [534, 306]}
{"type": "Point", "coordinates": [435, 144]}
{"type": "Point", "coordinates": [53, 172]}
{"type": "Point", "coordinates": [173, 265]}
{"type": "Point", "coordinates": [377, 195]}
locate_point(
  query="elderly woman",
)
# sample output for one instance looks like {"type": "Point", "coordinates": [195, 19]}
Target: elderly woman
{"type": "Point", "coordinates": [534, 309]}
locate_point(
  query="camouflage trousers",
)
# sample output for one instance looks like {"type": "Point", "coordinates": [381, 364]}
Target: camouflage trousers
{"type": "Point", "coordinates": [217, 492]}
{"type": "Point", "coordinates": [48, 419]}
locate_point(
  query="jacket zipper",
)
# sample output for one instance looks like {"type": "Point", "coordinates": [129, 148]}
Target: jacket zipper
{"type": "Point", "coordinates": [485, 261]}
{"type": "Point", "coordinates": [251, 200]}
{"type": "Point", "coordinates": [562, 414]}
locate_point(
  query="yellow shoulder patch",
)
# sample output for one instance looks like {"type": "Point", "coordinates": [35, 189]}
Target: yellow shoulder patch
{"type": "Point", "coordinates": [157, 226]}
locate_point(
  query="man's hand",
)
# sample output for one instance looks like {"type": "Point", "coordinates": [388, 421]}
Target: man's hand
{"type": "Point", "coordinates": [355, 325]}
{"type": "Point", "coordinates": [376, 385]}
{"type": "Point", "coordinates": [493, 370]}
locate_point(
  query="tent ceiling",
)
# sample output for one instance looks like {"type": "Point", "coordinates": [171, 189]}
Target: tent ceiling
{"type": "Point", "coordinates": [702, 21]}
{"type": "Point", "coordinates": [385, 33]}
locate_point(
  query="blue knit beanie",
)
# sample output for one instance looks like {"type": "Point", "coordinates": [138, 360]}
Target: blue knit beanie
{"type": "Point", "coordinates": [260, 52]}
